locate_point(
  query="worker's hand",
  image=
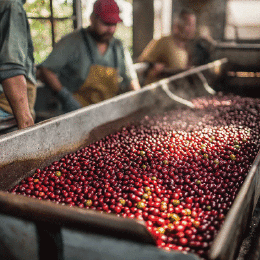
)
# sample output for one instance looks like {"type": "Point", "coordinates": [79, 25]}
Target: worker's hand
{"type": "Point", "coordinates": [68, 102]}
{"type": "Point", "coordinates": [26, 121]}
{"type": "Point", "coordinates": [157, 69]}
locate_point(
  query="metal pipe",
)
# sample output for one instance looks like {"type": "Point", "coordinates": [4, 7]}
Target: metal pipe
{"type": "Point", "coordinates": [189, 72]}
{"type": "Point", "coordinates": [174, 97]}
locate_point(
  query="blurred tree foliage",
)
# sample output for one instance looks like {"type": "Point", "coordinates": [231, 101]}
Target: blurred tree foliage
{"type": "Point", "coordinates": [41, 29]}
{"type": "Point", "coordinates": [125, 34]}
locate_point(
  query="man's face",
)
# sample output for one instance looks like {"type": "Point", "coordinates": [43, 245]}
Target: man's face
{"type": "Point", "coordinates": [187, 27]}
{"type": "Point", "coordinates": [103, 31]}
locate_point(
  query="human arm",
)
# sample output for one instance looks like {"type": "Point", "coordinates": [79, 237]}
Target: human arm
{"type": "Point", "coordinates": [159, 71]}
{"type": "Point", "coordinates": [68, 102]}
{"type": "Point", "coordinates": [49, 78]}
{"type": "Point", "coordinates": [155, 70]}
{"type": "Point", "coordinates": [15, 89]}
{"type": "Point", "coordinates": [152, 55]}
{"type": "Point", "coordinates": [58, 72]}
{"type": "Point", "coordinates": [16, 62]}
{"type": "Point", "coordinates": [149, 53]}
{"type": "Point", "coordinates": [205, 35]}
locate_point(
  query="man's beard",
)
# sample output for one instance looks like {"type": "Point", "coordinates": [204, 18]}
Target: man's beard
{"type": "Point", "coordinates": [102, 38]}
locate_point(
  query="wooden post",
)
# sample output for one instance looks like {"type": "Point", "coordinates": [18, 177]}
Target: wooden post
{"type": "Point", "coordinates": [77, 13]}
{"type": "Point", "coordinates": [143, 25]}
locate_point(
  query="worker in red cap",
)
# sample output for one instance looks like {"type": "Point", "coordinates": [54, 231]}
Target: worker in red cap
{"type": "Point", "coordinates": [90, 65]}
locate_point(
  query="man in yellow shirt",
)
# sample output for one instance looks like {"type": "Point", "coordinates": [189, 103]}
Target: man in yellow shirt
{"type": "Point", "coordinates": [171, 54]}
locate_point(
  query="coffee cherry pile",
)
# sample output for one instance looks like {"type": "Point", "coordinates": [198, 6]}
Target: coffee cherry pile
{"type": "Point", "coordinates": [179, 171]}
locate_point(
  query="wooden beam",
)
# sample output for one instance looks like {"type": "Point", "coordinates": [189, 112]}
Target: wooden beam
{"type": "Point", "coordinates": [143, 25]}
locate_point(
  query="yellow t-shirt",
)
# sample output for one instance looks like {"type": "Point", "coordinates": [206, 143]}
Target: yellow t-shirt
{"type": "Point", "coordinates": [165, 50]}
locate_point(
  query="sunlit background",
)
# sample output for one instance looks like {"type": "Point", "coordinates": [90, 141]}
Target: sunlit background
{"type": "Point", "coordinates": [242, 21]}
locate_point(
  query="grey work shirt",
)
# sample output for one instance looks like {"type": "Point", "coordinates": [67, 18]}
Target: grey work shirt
{"type": "Point", "coordinates": [16, 47]}
{"type": "Point", "coordinates": [70, 60]}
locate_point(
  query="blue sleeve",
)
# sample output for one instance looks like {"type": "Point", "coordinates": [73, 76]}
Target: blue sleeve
{"type": "Point", "coordinates": [13, 40]}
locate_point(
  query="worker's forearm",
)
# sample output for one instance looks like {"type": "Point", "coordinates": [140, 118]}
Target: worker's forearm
{"type": "Point", "coordinates": [15, 90]}
{"type": "Point", "coordinates": [50, 78]}
{"type": "Point", "coordinates": [68, 102]}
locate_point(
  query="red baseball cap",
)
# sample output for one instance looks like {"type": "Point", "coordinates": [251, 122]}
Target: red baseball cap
{"type": "Point", "coordinates": [107, 10]}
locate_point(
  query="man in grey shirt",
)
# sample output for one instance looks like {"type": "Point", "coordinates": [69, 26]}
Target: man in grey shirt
{"type": "Point", "coordinates": [17, 75]}
{"type": "Point", "coordinates": [90, 65]}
